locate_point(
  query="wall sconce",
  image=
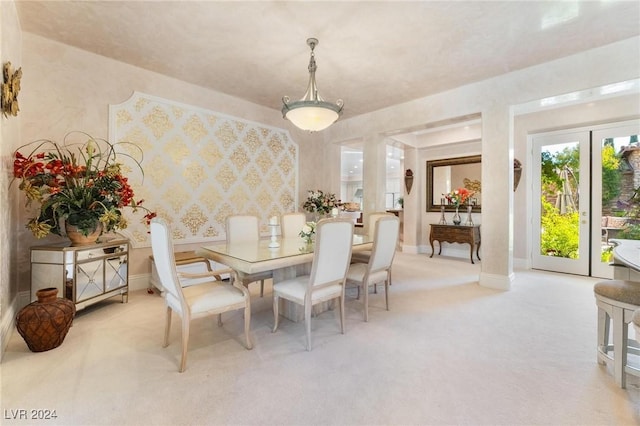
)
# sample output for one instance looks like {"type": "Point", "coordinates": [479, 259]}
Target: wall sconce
{"type": "Point", "coordinates": [10, 89]}
{"type": "Point", "coordinates": [517, 173]}
{"type": "Point", "coordinates": [408, 180]}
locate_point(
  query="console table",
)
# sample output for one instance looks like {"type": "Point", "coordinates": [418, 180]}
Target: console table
{"type": "Point", "coordinates": [83, 274]}
{"type": "Point", "coordinates": [456, 234]}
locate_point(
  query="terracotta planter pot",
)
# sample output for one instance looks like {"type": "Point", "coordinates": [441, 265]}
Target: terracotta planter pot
{"type": "Point", "coordinates": [78, 239]}
{"type": "Point", "coordinates": [44, 324]}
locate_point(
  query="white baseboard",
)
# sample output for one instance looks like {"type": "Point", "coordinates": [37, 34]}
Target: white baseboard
{"type": "Point", "coordinates": [498, 282]}
{"type": "Point", "coordinates": [521, 263]}
{"type": "Point", "coordinates": [139, 282]}
{"type": "Point", "coordinates": [8, 324]}
{"type": "Point", "coordinates": [23, 299]}
{"type": "Point", "coordinates": [450, 250]}
{"type": "Point", "coordinates": [410, 249]}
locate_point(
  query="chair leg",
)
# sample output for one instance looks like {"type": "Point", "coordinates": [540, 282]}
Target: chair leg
{"type": "Point", "coordinates": [341, 302]}
{"type": "Point", "coordinates": [620, 342]}
{"type": "Point", "coordinates": [276, 314]}
{"type": "Point", "coordinates": [386, 293]}
{"type": "Point", "coordinates": [167, 327]}
{"type": "Point", "coordinates": [261, 288]}
{"type": "Point", "coordinates": [219, 320]}
{"type": "Point", "coordinates": [185, 342]}
{"type": "Point", "coordinates": [307, 322]}
{"type": "Point", "coordinates": [365, 289]}
{"type": "Point", "coordinates": [247, 325]}
{"type": "Point", "coordinates": [603, 334]}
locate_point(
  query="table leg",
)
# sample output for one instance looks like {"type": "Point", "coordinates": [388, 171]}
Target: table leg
{"type": "Point", "coordinates": [478, 251]}
{"type": "Point", "coordinates": [471, 253]}
{"type": "Point", "coordinates": [432, 249]}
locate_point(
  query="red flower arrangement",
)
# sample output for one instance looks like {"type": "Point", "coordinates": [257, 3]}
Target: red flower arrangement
{"type": "Point", "coordinates": [77, 183]}
{"type": "Point", "coordinates": [458, 196]}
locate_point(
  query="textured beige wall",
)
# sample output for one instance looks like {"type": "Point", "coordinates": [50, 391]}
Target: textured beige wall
{"type": "Point", "coordinates": [70, 89]}
{"type": "Point", "coordinates": [493, 99]}
{"type": "Point", "coordinates": [9, 138]}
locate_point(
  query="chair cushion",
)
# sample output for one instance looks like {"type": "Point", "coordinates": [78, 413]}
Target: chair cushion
{"type": "Point", "coordinates": [636, 317]}
{"type": "Point", "coordinates": [357, 270]}
{"type": "Point", "coordinates": [619, 290]}
{"type": "Point", "coordinates": [294, 289]}
{"type": "Point", "coordinates": [258, 276]}
{"type": "Point", "coordinates": [212, 296]}
{"type": "Point", "coordinates": [361, 256]}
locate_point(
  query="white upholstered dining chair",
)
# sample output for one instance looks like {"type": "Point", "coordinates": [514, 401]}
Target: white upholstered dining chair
{"type": "Point", "coordinates": [292, 223]}
{"type": "Point", "coordinates": [246, 228]}
{"type": "Point", "coordinates": [206, 298]}
{"type": "Point", "coordinates": [378, 269]}
{"type": "Point", "coordinates": [362, 256]}
{"type": "Point", "coordinates": [331, 257]}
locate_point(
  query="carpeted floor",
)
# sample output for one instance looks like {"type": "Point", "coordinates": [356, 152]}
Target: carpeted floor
{"type": "Point", "coordinates": [448, 352]}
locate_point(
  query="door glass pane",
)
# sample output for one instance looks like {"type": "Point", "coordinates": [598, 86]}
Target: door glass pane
{"type": "Point", "coordinates": [351, 189]}
{"type": "Point", "coordinates": [620, 199]}
{"type": "Point", "coordinates": [395, 167]}
{"type": "Point", "coordinates": [560, 200]}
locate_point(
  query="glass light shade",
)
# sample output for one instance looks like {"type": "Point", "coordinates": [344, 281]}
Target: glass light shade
{"type": "Point", "coordinates": [311, 112]}
{"type": "Point", "coordinates": [311, 117]}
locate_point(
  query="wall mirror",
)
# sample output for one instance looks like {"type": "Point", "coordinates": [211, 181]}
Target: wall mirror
{"type": "Point", "coordinates": [446, 175]}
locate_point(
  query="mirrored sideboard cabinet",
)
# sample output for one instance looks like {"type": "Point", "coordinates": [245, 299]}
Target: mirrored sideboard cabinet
{"type": "Point", "coordinates": [83, 274]}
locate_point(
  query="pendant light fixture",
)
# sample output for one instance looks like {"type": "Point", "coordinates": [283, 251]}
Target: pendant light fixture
{"type": "Point", "coordinates": [311, 112]}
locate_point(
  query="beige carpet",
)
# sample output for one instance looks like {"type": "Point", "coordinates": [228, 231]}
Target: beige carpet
{"type": "Point", "coordinates": [448, 352]}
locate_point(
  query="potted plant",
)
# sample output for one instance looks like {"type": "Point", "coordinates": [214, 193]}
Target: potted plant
{"type": "Point", "coordinates": [77, 184]}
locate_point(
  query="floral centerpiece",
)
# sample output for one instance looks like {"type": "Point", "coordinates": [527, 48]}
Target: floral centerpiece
{"type": "Point", "coordinates": [320, 202]}
{"type": "Point", "coordinates": [458, 197]}
{"type": "Point", "coordinates": [307, 232]}
{"type": "Point", "coordinates": [80, 184]}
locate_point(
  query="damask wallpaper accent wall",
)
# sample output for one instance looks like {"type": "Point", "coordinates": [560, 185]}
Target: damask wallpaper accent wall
{"type": "Point", "coordinates": [201, 166]}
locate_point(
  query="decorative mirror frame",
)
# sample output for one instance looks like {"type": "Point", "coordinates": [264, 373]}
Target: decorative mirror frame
{"type": "Point", "coordinates": [431, 207]}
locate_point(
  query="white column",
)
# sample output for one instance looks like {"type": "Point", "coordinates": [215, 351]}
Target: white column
{"type": "Point", "coordinates": [374, 175]}
{"type": "Point", "coordinates": [412, 225]}
{"type": "Point", "coordinates": [497, 198]}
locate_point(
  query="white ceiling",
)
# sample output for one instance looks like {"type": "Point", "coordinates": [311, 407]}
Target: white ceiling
{"type": "Point", "coordinates": [371, 54]}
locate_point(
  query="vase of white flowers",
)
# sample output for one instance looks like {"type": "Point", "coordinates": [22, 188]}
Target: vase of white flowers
{"type": "Point", "coordinates": [307, 232]}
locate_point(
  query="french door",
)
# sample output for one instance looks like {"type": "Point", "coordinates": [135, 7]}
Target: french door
{"type": "Point", "coordinates": [611, 215]}
{"type": "Point", "coordinates": [581, 182]}
{"type": "Point", "coordinates": [561, 219]}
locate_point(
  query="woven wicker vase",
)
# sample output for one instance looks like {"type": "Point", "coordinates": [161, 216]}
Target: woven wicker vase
{"type": "Point", "coordinates": [43, 324]}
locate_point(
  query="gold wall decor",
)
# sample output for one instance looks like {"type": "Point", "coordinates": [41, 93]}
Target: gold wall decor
{"type": "Point", "coordinates": [201, 166]}
{"type": "Point", "coordinates": [10, 90]}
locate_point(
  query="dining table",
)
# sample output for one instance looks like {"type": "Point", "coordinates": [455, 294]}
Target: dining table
{"type": "Point", "coordinates": [626, 259]}
{"type": "Point", "coordinates": [292, 257]}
